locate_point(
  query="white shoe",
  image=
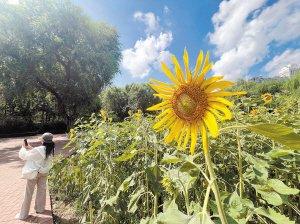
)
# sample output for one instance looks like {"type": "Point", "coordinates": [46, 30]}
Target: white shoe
{"type": "Point", "coordinates": [20, 217]}
{"type": "Point", "coordinates": [40, 212]}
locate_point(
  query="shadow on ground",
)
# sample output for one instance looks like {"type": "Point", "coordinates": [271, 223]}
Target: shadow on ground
{"type": "Point", "coordinates": [9, 149]}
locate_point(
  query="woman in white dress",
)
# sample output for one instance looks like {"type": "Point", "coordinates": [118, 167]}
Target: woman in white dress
{"type": "Point", "coordinates": [35, 170]}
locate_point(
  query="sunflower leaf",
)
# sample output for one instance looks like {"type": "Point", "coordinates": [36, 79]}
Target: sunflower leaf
{"type": "Point", "coordinates": [279, 133]}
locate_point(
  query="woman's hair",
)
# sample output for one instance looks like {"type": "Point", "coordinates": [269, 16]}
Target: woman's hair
{"type": "Point", "coordinates": [49, 148]}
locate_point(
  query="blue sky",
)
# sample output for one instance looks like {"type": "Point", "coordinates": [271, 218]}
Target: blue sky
{"type": "Point", "coordinates": [245, 38]}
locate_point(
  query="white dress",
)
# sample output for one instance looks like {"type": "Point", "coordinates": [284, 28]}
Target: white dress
{"type": "Point", "coordinates": [35, 162]}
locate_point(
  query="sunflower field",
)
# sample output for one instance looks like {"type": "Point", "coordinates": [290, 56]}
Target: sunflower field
{"type": "Point", "coordinates": [209, 156]}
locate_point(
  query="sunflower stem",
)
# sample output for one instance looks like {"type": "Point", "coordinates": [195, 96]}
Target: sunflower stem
{"type": "Point", "coordinates": [204, 208]}
{"type": "Point", "coordinates": [215, 187]}
{"type": "Point", "coordinates": [155, 206]}
{"type": "Point", "coordinates": [240, 164]}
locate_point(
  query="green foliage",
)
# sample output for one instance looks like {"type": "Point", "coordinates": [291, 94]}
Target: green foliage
{"type": "Point", "coordinates": [119, 101]}
{"type": "Point", "coordinates": [53, 47]}
{"type": "Point", "coordinates": [123, 170]}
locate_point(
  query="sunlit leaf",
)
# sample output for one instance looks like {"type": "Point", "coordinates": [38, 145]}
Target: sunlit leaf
{"type": "Point", "coordinates": [279, 133]}
{"type": "Point", "coordinates": [173, 216]}
{"type": "Point", "coordinates": [170, 159]}
{"type": "Point", "coordinates": [274, 216]}
{"type": "Point", "coordinates": [281, 188]}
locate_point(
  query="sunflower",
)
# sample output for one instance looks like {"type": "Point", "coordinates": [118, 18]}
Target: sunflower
{"type": "Point", "coordinates": [254, 112]}
{"type": "Point", "coordinates": [267, 98]}
{"type": "Point", "coordinates": [191, 104]}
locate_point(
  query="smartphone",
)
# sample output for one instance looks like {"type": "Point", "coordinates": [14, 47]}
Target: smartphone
{"type": "Point", "coordinates": [25, 142]}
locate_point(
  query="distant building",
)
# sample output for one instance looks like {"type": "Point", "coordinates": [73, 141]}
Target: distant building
{"type": "Point", "coordinates": [289, 70]}
{"type": "Point", "coordinates": [259, 78]}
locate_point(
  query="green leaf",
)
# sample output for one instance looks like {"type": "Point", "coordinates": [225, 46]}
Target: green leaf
{"type": "Point", "coordinates": [173, 216]}
{"type": "Point", "coordinates": [274, 216]}
{"type": "Point", "coordinates": [112, 200]}
{"type": "Point", "coordinates": [271, 197]}
{"type": "Point", "coordinates": [190, 168]}
{"type": "Point", "coordinates": [281, 188]}
{"type": "Point", "coordinates": [184, 181]}
{"type": "Point", "coordinates": [148, 220]}
{"type": "Point", "coordinates": [277, 153]}
{"type": "Point", "coordinates": [127, 155]}
{"type": "Point", "coordinates": [170, 159]}
{"type": "Point", "coordinates": [132, 206]}
{"type": "Point", "coordinates": [154, 173]}
{"type": "Point", "coordinates": [128, 182]}
{"type": "Point", "coordinates": [201, 218]}
{"type": "Point", "coordinates": [279, 133]}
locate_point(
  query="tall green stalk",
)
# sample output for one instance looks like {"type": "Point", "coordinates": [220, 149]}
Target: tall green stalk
{"type": "Point", "coordinates": [155, 207]}
{"type": "Point", "coordinates": [240, 164]}
{"type": "Point", "coordinates": [215, 187]}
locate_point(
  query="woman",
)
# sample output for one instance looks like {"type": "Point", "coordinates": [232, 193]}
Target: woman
{"type": "Point", "coordinates": [35, 170]}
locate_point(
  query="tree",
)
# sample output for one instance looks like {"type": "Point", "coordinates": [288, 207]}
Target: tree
{"type": "Point", "coordinates": [115, 100]}
{"type": "Point", "coordinates": [52, 45]}
{"type": "Point", "coordinates": [119, 100]}
{"type": "Point", "coordinates": [140, 96]}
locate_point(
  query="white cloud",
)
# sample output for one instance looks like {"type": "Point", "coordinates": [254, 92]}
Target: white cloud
{"type": "Point", "coordinates": [151, 21]}
{"type": "Point", "coordinates": [13, 2]}
{"type": "Point", "coordinates": [289, 56]}
{"type": "Point", "coordinates": [146, 54]}
{"type": "Point", "coordinates": [244, 30]}
{"type": "Point", "coordinates": [166, 10]}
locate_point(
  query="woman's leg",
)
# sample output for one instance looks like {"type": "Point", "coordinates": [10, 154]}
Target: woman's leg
{"type": "Point", "coordinates": [40, 200]}
{"type": "Point", "coordinates": [27, 199]}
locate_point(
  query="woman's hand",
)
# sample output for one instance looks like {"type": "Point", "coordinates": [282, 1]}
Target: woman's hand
{"type": "Point", "coordinates": [27, 147]}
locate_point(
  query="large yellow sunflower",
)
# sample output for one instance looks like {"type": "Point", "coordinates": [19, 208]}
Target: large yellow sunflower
{"type": "Point", "coordinates": [191, 103]}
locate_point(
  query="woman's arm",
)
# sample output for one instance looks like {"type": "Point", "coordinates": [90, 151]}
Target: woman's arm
{"type": "Point", "coordinates": [29, 154]}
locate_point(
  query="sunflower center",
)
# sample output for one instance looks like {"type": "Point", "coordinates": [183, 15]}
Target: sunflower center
{"type": "Point", "coordinates": [186, 105]}
{"type": "Point", "coordinates": [190, 102]}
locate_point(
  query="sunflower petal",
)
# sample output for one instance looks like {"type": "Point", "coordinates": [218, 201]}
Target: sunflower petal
{"type": "Point", "coordinates": [211, 123]}
{"type": "Point", "coordinates": [186, 65]}
{"type": "Point", "coordinates": [160, 88]}
{"type": "Point", "coordinates": [200, 78]}
{"type": "Point", "coordinates": [174, 132]}
{"type": "Point", "coordinates": [211, 80]}
{"type": "Point", "coordinates": [160, 106]}
{"type": "Point", "coordinates": [198, 63]}
{"type": "Point", "coordinates": [206, 60]}
{"type": "Point", "coordinates": [163, 96]}
{"type": "Point", "coordinates": [163, 121]}
{"type": "Point", "coordinates": [168, 73]}
{"type": "Point", "coordinates": [217, 114]}
{"type": "Point", "coordinates": [221, 107]}
{"type": "Point", "coordinates": [220, 100]}
{"type": "Point", "coordinates": [179, 140]}
{"type": "Point", "coordinates": [161, 84]}
{"type": "Point", "coordinates": [162, 114]}
{"type": "Point", "coordinates": [178, 70]}
{"type": "Point", "coordinates": [223, 93]}
{"type": "Point", "coordinates": [168, 123]}
{"type": "Point", "coordinates": [218, 85]}
{"type": "Point", "coordinates": [187, 137]}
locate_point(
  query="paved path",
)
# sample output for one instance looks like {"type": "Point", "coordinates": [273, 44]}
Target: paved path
{"type": "Point", "coordinates": [12, 187]}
